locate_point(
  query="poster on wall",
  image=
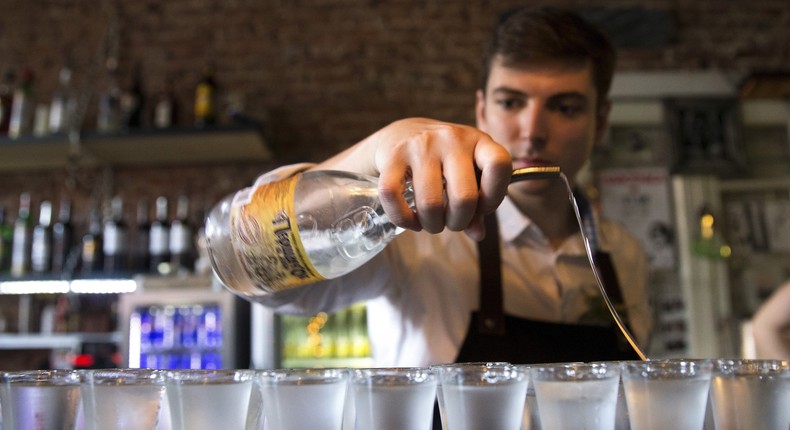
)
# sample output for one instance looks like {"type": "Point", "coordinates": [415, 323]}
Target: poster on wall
{"type": "Point", "coordinates": [639, 199]}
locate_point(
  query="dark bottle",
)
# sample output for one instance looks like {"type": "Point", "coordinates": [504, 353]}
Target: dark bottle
{"type": "Point", "coordinates": [182, 249]}
{"type": "Point", "coordinates": [133, 101]}
{"type": "Point", "coordinates": [20, 251]}
{"type": "Point", "coordinates": [62, 238]}
{"type": "Point", "coordinates": [6, 241]}
{"type": "Point", "coordinates": [141, 247]}
{"type": "Point", "coordinates": [206, 99]}
{"type": "Point", "coordinates": [91, 255]}
{"type": "Point", "coordinates": [6, 100]}
{"type": "Point", "coordinates": [166, 108]}
{"type": "Point", "coordinates": [159, 247]}
{"type": "Point", "coordinates": [41, 246]}
{"type": "Point", "coordinates": [115, 239]}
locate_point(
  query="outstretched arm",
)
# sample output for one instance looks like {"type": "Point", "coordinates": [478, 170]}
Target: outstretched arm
{"type": "Point", "coordinates": [440, 159]}
{"type": "Point", "coordinates": [771, 325]}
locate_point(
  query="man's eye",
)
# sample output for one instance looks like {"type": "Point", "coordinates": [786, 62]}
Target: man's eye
{"type": "Point", "coordinates": [569, 109]}
{"type": "Point", "coordinates": [510, 104]}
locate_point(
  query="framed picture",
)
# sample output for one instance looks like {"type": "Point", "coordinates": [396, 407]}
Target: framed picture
{"type": "Point", "coordinates": [706, 135]}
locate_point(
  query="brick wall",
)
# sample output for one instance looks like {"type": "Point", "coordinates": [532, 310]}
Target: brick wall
{"type": "Point", "coordinates": [325, 73]}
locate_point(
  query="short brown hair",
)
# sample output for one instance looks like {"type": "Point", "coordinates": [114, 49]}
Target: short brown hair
{"type": "Point", "coordinates": [549, 34]}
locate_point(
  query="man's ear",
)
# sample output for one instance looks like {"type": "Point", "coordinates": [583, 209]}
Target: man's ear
{"type": "Point", "coordinates": [602, 121]}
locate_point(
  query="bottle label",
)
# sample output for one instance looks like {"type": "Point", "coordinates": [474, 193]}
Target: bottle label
{"type": "Point", "coordinates": [266, 238]}
{"type": "Point", "coordinates": [203, 101]}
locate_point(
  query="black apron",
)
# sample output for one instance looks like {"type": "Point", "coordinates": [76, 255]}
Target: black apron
{"type": "Point", "coordinates": [494, 336]}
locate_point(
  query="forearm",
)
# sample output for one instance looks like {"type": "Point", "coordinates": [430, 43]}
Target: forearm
{"type": "Point", "coordinates": [771, 324]}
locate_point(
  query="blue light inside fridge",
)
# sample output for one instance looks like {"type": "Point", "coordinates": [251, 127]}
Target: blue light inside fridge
{"type": "Point", "coordinates": [164, 336]}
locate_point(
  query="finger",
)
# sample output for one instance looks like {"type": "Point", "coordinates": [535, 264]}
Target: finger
{"type": "Point", "coordinates": [461, 190]}
{"type": "Point", "coordinates": [476, 229]}
{"type": "Point", "coordinates": [391, 186]}
{"type": "Point", "coordinates": [429, 193]}
{"type": "Point", "coordinates": [496, 166]}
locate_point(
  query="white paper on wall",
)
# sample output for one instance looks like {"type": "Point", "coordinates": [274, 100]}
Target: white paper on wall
{"type": "Point", "coordinates": [639, 199]}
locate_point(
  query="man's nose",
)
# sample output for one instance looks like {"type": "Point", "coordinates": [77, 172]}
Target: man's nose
{"type": "Point", "coordinates": [534, 124]}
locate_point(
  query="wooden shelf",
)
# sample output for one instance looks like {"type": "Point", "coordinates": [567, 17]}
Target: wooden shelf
{"type": "Point", "coordinates": [136, 148]}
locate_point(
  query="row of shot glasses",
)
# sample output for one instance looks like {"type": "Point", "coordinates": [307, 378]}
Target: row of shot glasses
{"type": "Point", "coordinates": [653, 394]}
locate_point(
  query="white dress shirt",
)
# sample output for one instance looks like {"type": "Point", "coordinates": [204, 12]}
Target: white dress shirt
{"type": "Point", "coordinates": [422, 288]}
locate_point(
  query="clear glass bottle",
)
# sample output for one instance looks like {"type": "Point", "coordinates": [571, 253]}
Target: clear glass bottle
{"type": "Point", "coordinates": [41, 246]}
{"type": "Point", "coordinates": [313, 226]}
{"type": "Point", "coordinates": [159, 239]}
{"type": "Point", "coordinates": [22, 108]}
{"type": "Point", "coordinates": [64, 103]}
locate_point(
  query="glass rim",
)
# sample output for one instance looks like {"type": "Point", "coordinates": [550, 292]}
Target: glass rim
{"type": "Point", "coordinates": [41, 377]}
{"type": "Point", "coordinates": [576, 371]}
{"type": "Point", "coordinates": [208, 376]}
{"type": "Point", "coordinates": [299, 376]}
{"type": "Point", "coordinates": [120, 377]}
{"type": "Point", "coordinates": [750, 367]}
{"type": "Point", "coordinates": [393, 376]}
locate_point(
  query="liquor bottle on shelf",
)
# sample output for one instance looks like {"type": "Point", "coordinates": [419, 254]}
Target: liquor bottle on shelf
{"type": "Point", "coordinates": [115, 234]}
{"type": "Point", "coordinates": [20, 252]}
{"type": "Point", "coordinates": [22, 107]}
{"type": "Point", "coordinates": [108, 117]}
{"type": "Point", "coordinates": [206, 99]}
{"type": "Point", "coordinates": [6, 100]}
{"type": "Point", "coordinates": [62, 238]}
{"type": "Point", "coordinates": [133, 101]}
{"type": "Point", "coordinates": [142, 244]}
{"type": "Point", "coordinates": [41, 246]}
{"type": "Point", "coordinates": [166, 108]}
{"type": "Point", "coordinates": [64, 103]}
{"type": "Point", "coordinates": [159, 247]}
{"type": "Point", "coordinates": [6, 241]}
{"type": "Point", "coordinates": [91, 256]}
{"type": "Point", "coordinates": [182, 250]}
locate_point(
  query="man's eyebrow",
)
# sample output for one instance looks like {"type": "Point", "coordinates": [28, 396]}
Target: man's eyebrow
{"type": "Point", "coordinates": [509, 91]}
{"type": "Point", "coordinates": [518, 93]}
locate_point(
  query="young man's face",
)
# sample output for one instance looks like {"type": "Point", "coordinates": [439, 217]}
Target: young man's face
{"type": "Point", "coordinates": [547, 115]}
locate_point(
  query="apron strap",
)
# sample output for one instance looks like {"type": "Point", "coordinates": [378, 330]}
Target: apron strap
{"type": "Point", "coordinates": [491, 319]}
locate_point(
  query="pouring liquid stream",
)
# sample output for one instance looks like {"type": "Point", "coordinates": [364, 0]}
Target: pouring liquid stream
{"type": "Point", "coordinates": [553, 172]}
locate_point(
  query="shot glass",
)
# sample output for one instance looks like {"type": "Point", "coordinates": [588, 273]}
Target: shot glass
{"type": "Point", "coordinates": [393, 398]}
{"type": "Point", "coordinates": [128, 399]}
{"type": "Point", "coordinates": [751, 394]}
{"type": "Point", "coordinates": [577, 396]}
{"type": "Point", "coordinates": [46, 399]}
{"type": "Point", "coordinates": [209, 399]}
{"type": "Point", "coordinates": [666, 394]}
{"type": "Point", "coordinates": [296, 399]}
{"type": "Point", "coordinates": [481, 395]}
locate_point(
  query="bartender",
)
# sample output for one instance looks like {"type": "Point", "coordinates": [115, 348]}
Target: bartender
{"type": "Point", "coordinates": [491, 271]}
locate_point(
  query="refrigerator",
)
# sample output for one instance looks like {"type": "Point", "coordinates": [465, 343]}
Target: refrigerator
{"type": "Point", "coordinates": [323, 339]}
{"type": "Point", "coordinates": [184, 323]}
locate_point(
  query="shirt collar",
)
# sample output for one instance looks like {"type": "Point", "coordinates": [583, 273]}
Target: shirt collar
{"type": "Point", "coordinates": [512, 222]}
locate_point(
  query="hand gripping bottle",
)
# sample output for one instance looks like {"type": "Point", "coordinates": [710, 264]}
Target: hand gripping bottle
{"type": "Point", "coordinates": [309, 227]}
